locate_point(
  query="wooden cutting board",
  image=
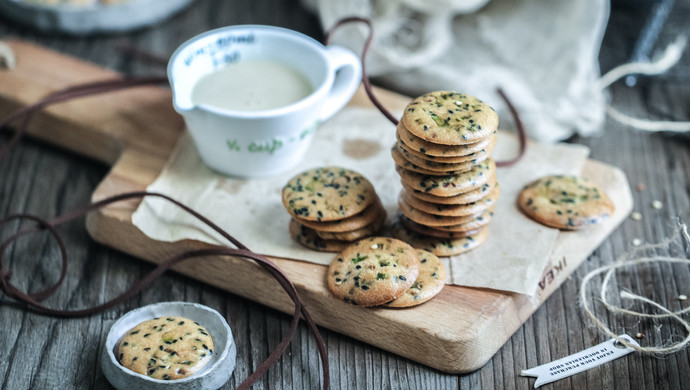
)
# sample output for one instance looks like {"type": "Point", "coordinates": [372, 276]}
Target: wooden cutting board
{"type": "Point", "coordinates": [136, 130]}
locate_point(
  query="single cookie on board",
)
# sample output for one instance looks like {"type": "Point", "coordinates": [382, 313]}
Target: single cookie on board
{"type": "Point", "coordinates": [308, 238]}
{"type": "Point", "coordinates": [452, 184]}
{"type": "Point", "coordinates": [565, 202]}
{"type": "Point", "coordinates": [404, 164]}
{"type": "Point", "coordinates": [432, 231]}
{"type": "Point", "coordinates": [355, 222]}
{"type": "Point", "coordinates": [448, 231]}
{"type": "Point", "coordinates": [464, 198]}
{"type": "Point", "coordinates": [480, 219]}
{"type": "Point", "coordinates": [433, 220]}
{"type": "Point", "coordinates": [431, 149]}
{"type": "Point", "coordinates": [439, 246]}
{"type": "Point", "coordinates": [449, 118]}
{"type": "Point", "coordinates": [165, 348]}
{"type": "Point", "coordinates": [373, 271]}
{"type": "Point", "coordinates": [439, 170]}
{"type": "Point", "coordinates": [429, 283]}
{"type": "Point", "coordinates": [327, 194]}
{"type": "Point", "coordinates": [433, 165]}
{"type": "Point", "coordinates": [353, 235]}
{"type": "Point", "coordinates": [452, 210]}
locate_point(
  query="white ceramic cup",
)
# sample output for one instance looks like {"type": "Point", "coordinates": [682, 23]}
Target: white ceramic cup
{"type": "Point", "coordinates": [260, 143]}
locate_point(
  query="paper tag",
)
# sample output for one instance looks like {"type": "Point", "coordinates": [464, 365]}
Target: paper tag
{"type": "Point", "coordinates": [581, 361]}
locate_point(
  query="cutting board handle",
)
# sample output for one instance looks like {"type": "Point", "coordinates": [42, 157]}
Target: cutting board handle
{"type": "Point", "coordinates": [103, 127]}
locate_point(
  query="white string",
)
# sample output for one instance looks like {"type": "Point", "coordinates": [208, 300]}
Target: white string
{"type": "Point", "coordinates": [671, 56]}
{"type": "Point", "coordinates": [646, 124]}
{"type": "Point", "coordinates": [623, 262]}
{"type": "Point", "coordinates": [666, 61]}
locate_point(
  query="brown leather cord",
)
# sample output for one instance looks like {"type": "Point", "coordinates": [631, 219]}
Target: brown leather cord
{"type": "Point", "coordinates": [365, 50]}
{"type": "Point", "coordinates": [78, 91]}
{"type": "Point", "coordinates": [33, 299]}
{"type": "Point", "coordinates": [129, 49]}
{"type": "Point", "coordinates": [5, 274]}
{"type": "Point", "coordinates": [522, 135]}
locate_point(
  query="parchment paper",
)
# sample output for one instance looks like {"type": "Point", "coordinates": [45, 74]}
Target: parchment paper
{"type": "Point", "coordinates": [511, 259]}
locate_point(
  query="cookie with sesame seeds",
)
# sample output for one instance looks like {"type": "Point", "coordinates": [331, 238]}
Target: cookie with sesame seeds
{"type": "Point", "coordinates": [429, 282]}
{"type": "Point", "coordinates": [464, 198]}
{"type": "Point", "coordinates": [479, 155]}
{"type": "Point", "coordinates": [165, 348]}
{"type": "Point", "coordinates": [440, 151]}
{"type": "Point", "coordinates": [565, 202]}
{"type": "Point", "coordinates": [426, 218]}
{"type": "Point", "coordinates": [433, 232]}
{"type": "Point", "coordinates": [462, 229]}
{"type": "Point", "coordinates": [439, 246]}
{"type": "Point", "coordinates": [327, 194]}
{"type": "Point", "coordinates": [406, 165]}
{"type": "Point", "coordinates": [373, 271]}
{"type": "Point", "coordinates": [430, 164]}
{"type": "Point", "coordinates": [449, 185]}
{"type": "Point", "coordinates": [431, 169]}
{"type": "Point", "coordinates": [357, 221]}
{"type": "Point", "coordinates": [480, 220]}
{"type": "Point", "coordinates": [450, 210]}
{"type": "Point", "coordinates": [308, 238]}
{"type": "Point", "coordinates": [449, 118]}
{"type": "Point", "coordinates": [353, 235]}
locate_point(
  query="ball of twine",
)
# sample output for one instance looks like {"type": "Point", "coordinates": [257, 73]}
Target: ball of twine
{"type": "Point", "coordinates": [629, 260]}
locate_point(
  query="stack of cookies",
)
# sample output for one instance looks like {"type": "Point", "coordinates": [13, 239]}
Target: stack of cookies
{"type": "Point", "coordinates": [331, 207]}
{"type": "Point", "coordinates": [385, 271]}
{"type": "Point", "coordinates": [443, 157]}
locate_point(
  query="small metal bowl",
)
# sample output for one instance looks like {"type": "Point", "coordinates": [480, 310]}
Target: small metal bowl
{"type": "Point", "coordinates": [212, 376]}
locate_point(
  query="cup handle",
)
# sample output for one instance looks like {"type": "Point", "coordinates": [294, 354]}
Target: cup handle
{"type": "Point", "coordinates": [348, 75]}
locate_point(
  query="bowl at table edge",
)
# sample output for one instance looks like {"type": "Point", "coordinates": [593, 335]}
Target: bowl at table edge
{"type": "Point", "coordinates": [212, 376]}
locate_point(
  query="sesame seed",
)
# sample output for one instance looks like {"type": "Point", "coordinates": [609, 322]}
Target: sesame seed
{"type": "Point", "coordinates": [636, 216]}
{"type": "Point", "coordinates": [637, 242]}
{"type": "Point", "coordinates": [639, 335]}
{"type": "Point", "coordinates": [657, 204]}
{"type": "Point", "coordinates": [682, 297]}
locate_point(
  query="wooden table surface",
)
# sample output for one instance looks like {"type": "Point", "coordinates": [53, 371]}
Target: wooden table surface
{"type": "Point", "coordinates": [45, 353]}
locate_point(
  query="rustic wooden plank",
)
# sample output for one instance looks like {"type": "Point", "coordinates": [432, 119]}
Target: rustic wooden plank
{"type": "Point", "coordinates": [661, 162]}
{"type": "Point", "coordinates": [457, 332]}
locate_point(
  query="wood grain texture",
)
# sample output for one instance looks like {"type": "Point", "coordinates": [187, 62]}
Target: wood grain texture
{"type": "Point", "coordinates": [47, 181]}
{"type": "Point", "coordinates": [457, 332]}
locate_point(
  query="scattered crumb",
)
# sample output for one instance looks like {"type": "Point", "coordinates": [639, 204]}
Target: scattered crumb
{"type": "Point", "coordinates": [7, 59]}
{"type": "Point", "coordinates": [682, 297]}
{"type": "Point", "coordinates": [657, 204]}
{"type": "Point", "coordinates": [639, 335]}
{"type": "Point", "coordinates": [640, 187]}
{"type": "Point", "coordinates": [637, 242]}
{"type": "Point", "coordinates": [636, 216]}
